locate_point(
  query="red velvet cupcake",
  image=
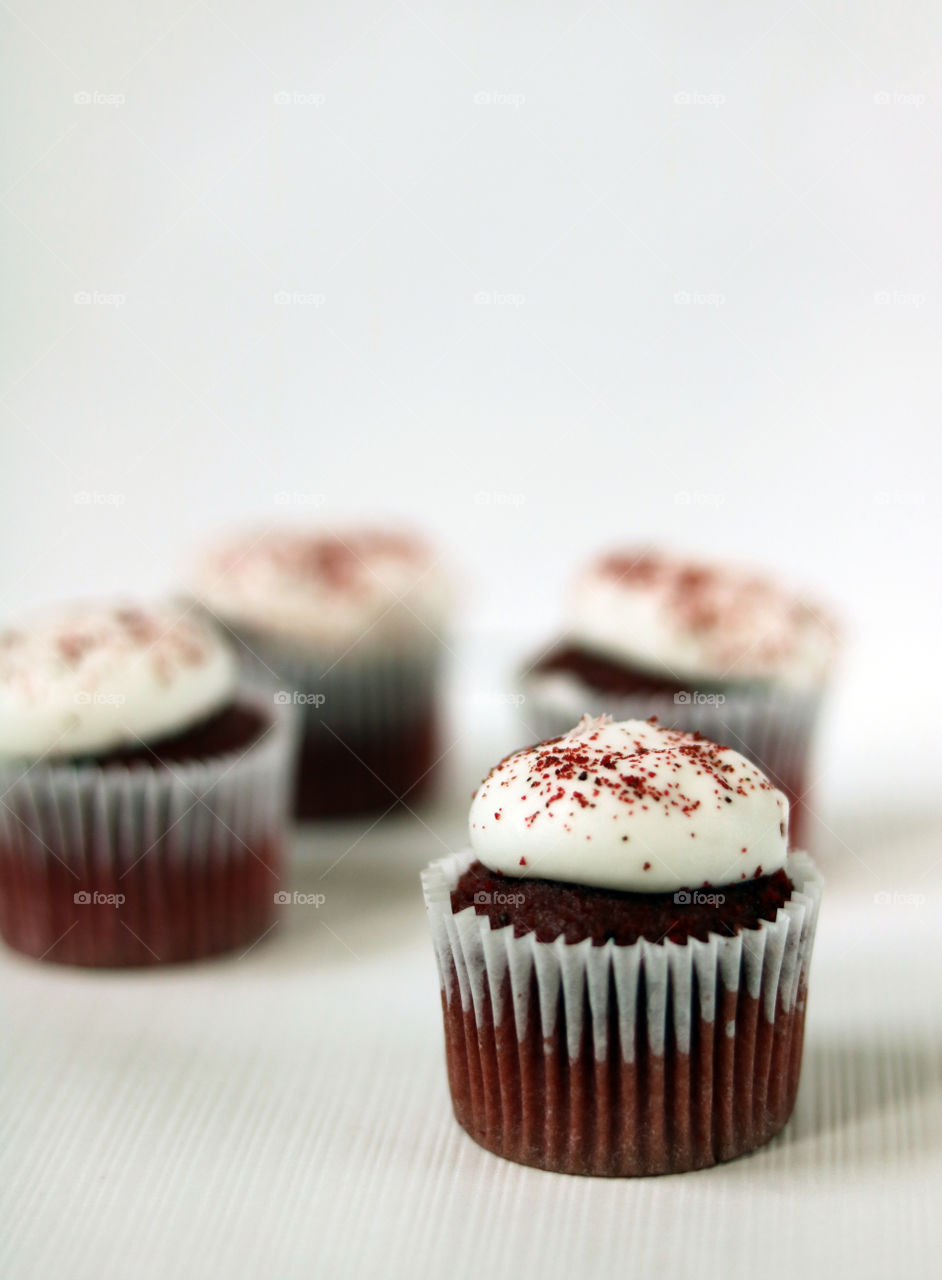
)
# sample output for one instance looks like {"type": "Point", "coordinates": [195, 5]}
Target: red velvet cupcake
{"type": "Point", "coordinates": [624, 954]}
{"type": "Point", "coordinates": [144, 800]}
{"type": "Point", "coordinates": [345, 626]}
{"type": "Point", "coordinates": [703, 647]}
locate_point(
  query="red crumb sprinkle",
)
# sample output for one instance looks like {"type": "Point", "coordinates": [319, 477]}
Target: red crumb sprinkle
{"type": "Point", "coordinates": [523, 862]}
{"type": "Point", "coordinates": [647, 866]}
{"type": "Point", "coordinates": [500, 811]}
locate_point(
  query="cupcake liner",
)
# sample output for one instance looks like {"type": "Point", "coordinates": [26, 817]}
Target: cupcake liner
{"type": "Point", "coordinates": [368, 724]}
{"type": "Point", "coordinates": [114, 865]}
{"type": "Point", "coordinates": [622, 1060]}
{"type": "Point", "coordinates": [775, 728]}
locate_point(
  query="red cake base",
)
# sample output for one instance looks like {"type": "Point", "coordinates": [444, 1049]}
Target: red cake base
{"type": "Point", "coordinates": [148, 856]}
{"type": "Point", "coordinates": [341, 775]}
{"type": "Point", "coordinates": [528, 1101]}
{"type": "Point", "coordinates": [170, 913]}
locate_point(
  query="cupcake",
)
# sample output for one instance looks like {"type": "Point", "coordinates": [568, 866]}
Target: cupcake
{"type": "Point", "coordinates": [705, 647]}
{"type": "Point", "coordinates": [143, 799]}
{"type": "Point", "coordinates": [624, 954]}
{"type": "Point", "coordinates": [343, 625]}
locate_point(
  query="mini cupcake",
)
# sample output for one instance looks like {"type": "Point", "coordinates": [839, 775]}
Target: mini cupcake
{"type": "Point", "coordinates": [143, 800]}
{"type": "Point", "coordinates": [703, 647]}
{"type": "Point", "coordinates": [624, 954]}
{"type": "Point", "coordinates": [345, 626]}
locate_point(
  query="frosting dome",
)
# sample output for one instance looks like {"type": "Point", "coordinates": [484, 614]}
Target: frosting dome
{"type": "Point", "coordinates": [325, 588]}
{"type": "Point", "coordinates": [690, 620]}
{"type": "Point", "coordinates": [93, 677]}
{"type": "Point", "coordinates": [629, 806]}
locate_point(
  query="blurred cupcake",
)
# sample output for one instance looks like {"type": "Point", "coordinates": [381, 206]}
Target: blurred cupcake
{"type": "Point", "coordinates": [624, 954]}
{"type": "Point", "coordinates": [344, 625]}
{"type": "Point", "coordinates": [709, 648]}
{"type": "Point", "coordinates": [144, 800]}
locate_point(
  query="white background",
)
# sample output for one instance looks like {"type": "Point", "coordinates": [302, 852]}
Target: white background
{"type": "Point", "coordinates": [558, 276]}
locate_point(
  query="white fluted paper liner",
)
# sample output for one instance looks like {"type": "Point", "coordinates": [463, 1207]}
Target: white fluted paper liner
{"type": "Point", "coordinates": [193, 846]}
{"type": "Point", "coordinates": [773, 727]}
{"type": "Point", "coordinates": [367, 719]}
{"type": "Point", "coordinates": [595, 988]}
{"type": "Point", "coordinates": [366, 690]}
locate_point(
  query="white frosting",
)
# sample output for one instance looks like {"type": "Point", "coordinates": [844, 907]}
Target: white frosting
{"type": "Point", "coordinates": [630, 806]}
{"type": "Point", "coordinates": [325, 589]}
{"type": "Point", "coordinates": [689, 620]}
{"type": "Point", "coordinates": [94, 677]}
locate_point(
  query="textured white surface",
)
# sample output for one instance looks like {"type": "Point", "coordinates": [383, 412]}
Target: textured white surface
{"type": "Point", "coordinates": [286, 1114]}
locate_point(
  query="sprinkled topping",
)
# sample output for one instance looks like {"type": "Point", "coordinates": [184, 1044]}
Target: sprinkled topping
{"type": "Point", "coordinates": [90, 677]}
{"type": "Point", "coordinates": [330, 586]}
{"type": "Point", "coordinates": [687, 619]}
{"type": "Point", "coordinates": [637, 795]}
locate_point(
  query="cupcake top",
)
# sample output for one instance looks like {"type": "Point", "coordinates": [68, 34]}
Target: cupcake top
{"type": "Point", "coordinates": [629, 806]}
{"type": "Point", "coordinates": [325, 588]}
{"type": "Point", "coordinates": [696, 621]}
{"type": "Point", "coordinates": [90, 678]}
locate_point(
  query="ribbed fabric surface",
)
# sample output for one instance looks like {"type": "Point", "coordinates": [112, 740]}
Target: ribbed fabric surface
{"type": "Point", "coordinates": [286, 1114]}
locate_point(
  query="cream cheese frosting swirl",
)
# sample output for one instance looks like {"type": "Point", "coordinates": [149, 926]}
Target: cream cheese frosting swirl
{"type": "Point", "coordinates": [325, 588]}
{"type": "Point", "coordinates": [691, 620]}
{"type": "Point", "coordinates": [629, 806]}
{"type": "Point", "coordinates": [89, 678]}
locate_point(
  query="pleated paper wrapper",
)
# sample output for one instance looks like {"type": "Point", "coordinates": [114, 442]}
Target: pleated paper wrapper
{"type": "Point", "coordinates": [622, 1060]}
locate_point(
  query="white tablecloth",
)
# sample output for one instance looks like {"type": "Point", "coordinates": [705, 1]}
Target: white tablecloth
{"type": "Point", "coordinates": [286, 1114]}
